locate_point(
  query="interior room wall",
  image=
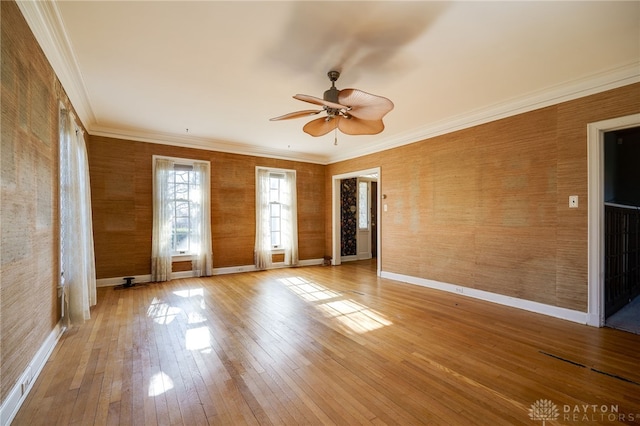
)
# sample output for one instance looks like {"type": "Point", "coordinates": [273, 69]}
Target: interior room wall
{"type": "Point", "coordinates": [121, 184]}
{"type": "Point", "coordinates": [487, 207]}
{"type": "Point", "coordinates": [29, 307]}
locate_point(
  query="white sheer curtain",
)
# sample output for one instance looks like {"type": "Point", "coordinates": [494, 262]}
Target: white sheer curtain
{"type": "Point", "coordinates": [77, 260]}
{"type": "Point", "coordinates": [202, 262]}
{"type": "Point", "coordinates": [262, 249]}
{"type": "Point", "coordinates": [161, 238]}
{"type": "Point", "coordinates": [290, 219]}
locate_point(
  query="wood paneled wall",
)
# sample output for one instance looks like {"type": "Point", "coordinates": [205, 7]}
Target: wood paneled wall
{"type": "Point", "coordinates": [29, 308]}
{"type": "Point", "coordinates": [121, 184]}
{"type": "Point", "coordinates": [487, 207]}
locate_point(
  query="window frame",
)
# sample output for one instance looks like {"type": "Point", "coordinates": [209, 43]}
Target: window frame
{"type": "Point", "coordinates": [281, 172]}
{"type": "Point", "coordinates": [367, 199]}
{"type": "Point", "coordinates": [280, 178]}
{"type": "Point", "coordinates": [183, 162]}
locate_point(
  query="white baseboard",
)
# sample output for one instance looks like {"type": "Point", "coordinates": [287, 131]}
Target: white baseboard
{"type": "Point", "coordinates": [110, 282]}
{"type": "Point", "coordinates": [21, 389]}
{"type": "Point", "coordinates": [527, 305]}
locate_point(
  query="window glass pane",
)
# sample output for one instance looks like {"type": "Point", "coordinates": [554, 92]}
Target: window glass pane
{"type": "Point", "coordinates": [275, 208]}
{"type": "Point", "coordinates": [363, 205]}
{"type": "Point", "coordinates": [182, 191]}
{"type": "Point", "coordinates": [181, 225]}
{"type": "Point", "coordinates": [182, 209]}
{"type": "Point", "coordinates": [181, 176]}
{"type": "Point", "coordinates": [183, 188]}
{"type": "Point", "coordinates": [275, 239]}
{"type": "Point", "coordinates": [182, 242]}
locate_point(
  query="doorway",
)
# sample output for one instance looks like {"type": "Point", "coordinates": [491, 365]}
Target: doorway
{"type": "Point", "coordinates": [597, 195]}
{"type": "Point", "coordinates": [369, 232]}
{"type": "Point", "coordinates": [622, 229]}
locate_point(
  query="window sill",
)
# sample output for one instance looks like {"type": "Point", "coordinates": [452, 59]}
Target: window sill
{"type": "Point", "coordinates": [181, 257]}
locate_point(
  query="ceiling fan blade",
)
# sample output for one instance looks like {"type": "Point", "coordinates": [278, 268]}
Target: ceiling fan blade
{"type": "Point", "coordinates": [318, 101]}
{"type": "Point", "coordinates": [365, 105]}
{"type": "Point", "coordinates": [356, 126]}
{"type": "Point", "coordinates": [321, 126]}
{"type": "Point", "coordinates": [297, 114]}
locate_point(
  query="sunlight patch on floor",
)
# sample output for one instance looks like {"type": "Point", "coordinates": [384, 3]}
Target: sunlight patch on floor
{"type": "Point", "coordinates": [161, 312]}
{"type": "Point", "coordinates": [354, 315]}
{"type": "Point", "coordinates": [159, 384]}
{"type": "Point", "coordinates": [190, 292]}
{"type": "Point", "coordinates": [198, 339]}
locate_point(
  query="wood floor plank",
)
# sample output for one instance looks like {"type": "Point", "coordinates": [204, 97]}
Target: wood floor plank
{"type": "Point", "coordinates": [323, 345]}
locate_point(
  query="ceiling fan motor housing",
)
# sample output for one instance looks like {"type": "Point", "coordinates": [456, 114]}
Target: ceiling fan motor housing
{"type": "Point", "coordinates": [331, 95]}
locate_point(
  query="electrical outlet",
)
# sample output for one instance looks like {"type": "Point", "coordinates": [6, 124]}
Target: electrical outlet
{"type": "Point", "coordinates": [573, 201]}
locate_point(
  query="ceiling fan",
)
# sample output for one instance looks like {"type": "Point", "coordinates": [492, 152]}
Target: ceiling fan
{"type": "Point", "coordinates": [352, 111]}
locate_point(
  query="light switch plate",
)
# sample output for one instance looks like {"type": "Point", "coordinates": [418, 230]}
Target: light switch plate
{"type": "Point", "coordinates": [573, 201]}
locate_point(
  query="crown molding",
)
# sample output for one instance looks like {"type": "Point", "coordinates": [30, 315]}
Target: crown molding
{"type": "Point", "coordinates": [610, 79]}
{"type": "Point", "coordinates": [568, 91]}
{"type": "Point", "coordinates": [45, 21]}
{"type": "Point", "coordinates": [206, 144]}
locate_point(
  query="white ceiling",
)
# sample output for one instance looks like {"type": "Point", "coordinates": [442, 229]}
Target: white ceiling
{"type": "Point", "coordinates": [150, 70]}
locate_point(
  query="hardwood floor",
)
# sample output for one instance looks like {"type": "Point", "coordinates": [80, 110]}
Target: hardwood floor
{"type": "Point", "coordinates": [328, 345]}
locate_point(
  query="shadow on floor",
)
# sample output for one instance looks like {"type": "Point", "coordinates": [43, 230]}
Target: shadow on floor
{"type": "Point", "coordinates": [627, 318]}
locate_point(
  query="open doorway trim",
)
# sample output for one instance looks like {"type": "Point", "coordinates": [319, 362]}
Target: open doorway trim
{"type": "Point", "coordinates": [595, 155]}
{"type": "Point", "coordinates": [335, 214]}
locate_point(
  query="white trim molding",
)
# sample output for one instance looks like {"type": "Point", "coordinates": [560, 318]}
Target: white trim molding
{"type": "Point", "coordinates": [22, 387]}
{"type": "Point", "coordinates": [611, 79]}
{"type": "Point", "coordinates": [45, 21]}
{"type": "Point", "coordinates": [141, 279]}
{"type": "Point", "coordinates": [514, 302]}
{"type": "Point", "coordinates": [336, 251]}
{"type": "Point", "coordinates": [595, 158]}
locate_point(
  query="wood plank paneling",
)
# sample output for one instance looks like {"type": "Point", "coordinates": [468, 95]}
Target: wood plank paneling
{"type": "Point", "coordinates": [325, 345]}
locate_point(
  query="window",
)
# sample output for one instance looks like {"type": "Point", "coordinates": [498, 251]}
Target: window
{"type": "Point", "coordinates": [276, 216]}
{"type": "Point", "coordinates": [182, 189]}
{"type": "Point", "coordinates": [77, 264]}
{"type": "Point", "coordinates": [181, 216]}
{"type": "Point", "coordinates": [276, 182]}
{"type": "Point", "coordinates": [363, 204]}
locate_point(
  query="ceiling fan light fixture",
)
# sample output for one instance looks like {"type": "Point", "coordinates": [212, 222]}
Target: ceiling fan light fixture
{"type": "Point", "coordinates": [362, 112]}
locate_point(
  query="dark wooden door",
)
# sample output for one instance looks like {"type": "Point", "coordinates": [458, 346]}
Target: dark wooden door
{"type": "Point", "coordinates": [622, 257]}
